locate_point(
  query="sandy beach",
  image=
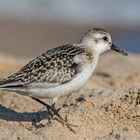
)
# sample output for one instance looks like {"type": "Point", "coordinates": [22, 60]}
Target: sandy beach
{"type": "Point", "coordinates": [106, 108]}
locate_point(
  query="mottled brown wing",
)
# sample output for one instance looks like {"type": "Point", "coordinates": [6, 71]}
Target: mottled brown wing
{"type": "Point", "coordinates": [54, 66]}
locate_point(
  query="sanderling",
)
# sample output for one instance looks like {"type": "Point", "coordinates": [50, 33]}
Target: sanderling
{"type": "Point", "coordinates": [61, 70]}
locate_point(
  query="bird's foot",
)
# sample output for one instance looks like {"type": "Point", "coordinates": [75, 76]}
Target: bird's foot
{"type": "Point", "coordinates": [55, 112]}
{"type": "Point", "coordinates": [52, 111]}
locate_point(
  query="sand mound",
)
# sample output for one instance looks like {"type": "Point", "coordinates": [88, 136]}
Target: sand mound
{"type": "Point", "coordinates": [106, 108]}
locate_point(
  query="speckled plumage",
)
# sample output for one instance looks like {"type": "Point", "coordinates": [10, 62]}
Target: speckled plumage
{"type": "Point", "coordinates": [55, 66]}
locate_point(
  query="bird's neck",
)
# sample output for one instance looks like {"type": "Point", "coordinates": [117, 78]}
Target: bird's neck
{"type": "Point", "coordinates": [87, 42]}
{"type": "Point", "coordinates": [89, 46]}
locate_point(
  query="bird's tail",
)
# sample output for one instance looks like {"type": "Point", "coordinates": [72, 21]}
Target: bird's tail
{"type": "Point", "coordinates": [10, 85]}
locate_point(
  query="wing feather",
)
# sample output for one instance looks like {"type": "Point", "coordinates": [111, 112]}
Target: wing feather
{"type": "Point", "coordinates": [56, 66]}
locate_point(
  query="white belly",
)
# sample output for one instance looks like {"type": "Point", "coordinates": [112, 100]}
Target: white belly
{"type": "Point", "coordinates": [60, 90]}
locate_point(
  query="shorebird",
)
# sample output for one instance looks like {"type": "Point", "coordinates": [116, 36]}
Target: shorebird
{"type": "Point", "coordinates": [61, 70]}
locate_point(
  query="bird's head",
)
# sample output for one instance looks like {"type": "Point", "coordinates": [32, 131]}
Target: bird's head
{"type": "Point", "coordinates": [100, 40]}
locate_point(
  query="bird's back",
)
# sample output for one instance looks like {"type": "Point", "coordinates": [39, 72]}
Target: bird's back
{"type": "Point", "coordinates": [54, 66]}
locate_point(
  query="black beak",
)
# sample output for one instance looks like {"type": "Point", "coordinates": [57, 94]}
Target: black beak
{"type": "Point", "coordinates": [115, 48]}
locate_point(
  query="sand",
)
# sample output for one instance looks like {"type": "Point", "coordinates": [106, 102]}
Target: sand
{"type": "Point", "coordinates": [106, 108]}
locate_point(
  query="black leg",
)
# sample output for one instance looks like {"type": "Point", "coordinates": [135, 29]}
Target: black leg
{"type": "Point", "coordinates": [56, 112]}
{"type": "Point", "coordinates": [48, 106]}
{"type": "Point", "coordinates": [53, 111]}
{"type": "Point", "coordinates": [51, 114]}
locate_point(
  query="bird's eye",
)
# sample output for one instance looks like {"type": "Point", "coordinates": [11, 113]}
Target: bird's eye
{"type": "Point", "coordinates": [105, 38]}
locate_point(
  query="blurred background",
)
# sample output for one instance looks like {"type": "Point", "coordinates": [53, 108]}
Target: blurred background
{"type": "Point", "coordinates": [29, 27]}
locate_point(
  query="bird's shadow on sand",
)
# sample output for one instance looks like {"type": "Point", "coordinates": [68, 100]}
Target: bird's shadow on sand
{"type": "Point", "coordinates": [33, 117]}
{"type": "Point", "coordinates": [11, 115]}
